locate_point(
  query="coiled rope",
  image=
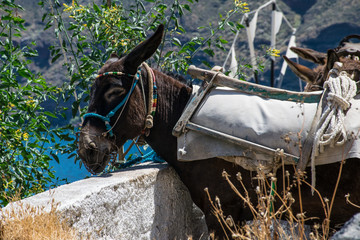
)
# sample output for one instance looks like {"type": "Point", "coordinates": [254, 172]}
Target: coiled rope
{"type": "Point", "coordinates": [330, 128]}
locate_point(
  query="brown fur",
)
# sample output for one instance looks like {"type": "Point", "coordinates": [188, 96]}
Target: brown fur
{"type": "Point", "coordinates": [197, 175]}
{"type": "Point", "coordinates": [346, 53]}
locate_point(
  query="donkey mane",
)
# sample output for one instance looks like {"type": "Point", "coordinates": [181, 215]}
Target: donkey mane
{"type": "Point", "coordinates": [173, 93]}
{"type": "Point", "coordinates": [179, 77]}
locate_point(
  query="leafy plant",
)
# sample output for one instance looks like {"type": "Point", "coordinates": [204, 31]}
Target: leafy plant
{"type": "Point", "coordinates": [27, 144]}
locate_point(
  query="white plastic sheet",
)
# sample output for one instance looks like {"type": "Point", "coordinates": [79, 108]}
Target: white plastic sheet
{"type": "Point", "coordinates": [273, 123]}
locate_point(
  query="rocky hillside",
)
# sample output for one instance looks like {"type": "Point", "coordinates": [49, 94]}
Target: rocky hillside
{"type": "Point", "coordinates": [320, 24]}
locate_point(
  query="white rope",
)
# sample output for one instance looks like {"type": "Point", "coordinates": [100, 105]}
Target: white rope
{"type": "Point", "coordinates": [331, 129]}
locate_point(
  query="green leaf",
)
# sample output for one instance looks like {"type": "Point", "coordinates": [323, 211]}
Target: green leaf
{"type": "Point", "coordinates": [168, 54]}
{"type": "Point", "coordinates": [43, 17]}
{"type": "Point", "coordinates": [176, 42]}
{"type": "Point", "coordinates": [6, 18]}
{"type": "Point", "coordinates": [31, 54]}
{"type": "Point", "coordinates": [24, 73]}
{"type": "Point", "coordinates": [187, 7]}
{"type": "Point", "coordinates": [56, 57]}
{"type": "Point", "coordinates": [136, 28]}
{"type": "Point", "coordinates": [72, 27]}
{"type": "Point", "coordinates": [96, 8]}
{"type": "Point", "coordinates": [18, 20]}
{"type": "Point", "coordinates": [231, 24]}
{"type": "Point", "coordinates": [50, 114]}
{"type": "Point", "coordinates": [239, 26]}
{"type": "Point", "coordinates": [55, 157]}
{"type": "Point", "coordinates": [223, 40]}
{"type": "Point", "coordinates": [209, 52]}
{"type": "Point", "coordinates": [74, 108]}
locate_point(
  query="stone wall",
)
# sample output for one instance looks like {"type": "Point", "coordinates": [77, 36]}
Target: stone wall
{"type": "Point", "coordinates": [143, 202]}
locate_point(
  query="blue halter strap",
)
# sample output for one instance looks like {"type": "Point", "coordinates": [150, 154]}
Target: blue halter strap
{"type": "Point", "coordinates": [106, 119]}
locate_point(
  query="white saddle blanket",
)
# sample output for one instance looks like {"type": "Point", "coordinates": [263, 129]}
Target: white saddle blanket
{"type": "Point", "coordinates": [273, 123]}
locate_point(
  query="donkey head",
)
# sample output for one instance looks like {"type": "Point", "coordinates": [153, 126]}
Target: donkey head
{"type": "Point", "coordinates": [347, 54]}
{"type": "Point", "coordinates": [116, 110]}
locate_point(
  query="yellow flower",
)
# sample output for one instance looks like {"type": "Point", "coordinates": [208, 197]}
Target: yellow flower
{"type": "Point", "coordinates": [67, 8]}
{"type": "Point", "coordinates": [31, 103]}
{"type": "Point", "coordinates": [26, 136]}
{"type": "Point", "coordinates": [273, 52]}
{"type": "Point", "coordinates": [80, 10]}
{"type": "Point", "coordinates": [85, 25]}
{"type": "Point", "coordinates": [124, 42]}
{"type": "Point", "coordinates": [17, 135]}
{"type": "Point", "coordinates": [242, 5]}
{"type": "Point", "coordinates": [11, 105]}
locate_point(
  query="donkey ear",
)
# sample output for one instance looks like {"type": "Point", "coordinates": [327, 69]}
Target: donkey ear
{"type": "Point", "coordinates": [310, 55]}
{"type": "Point", "coordinates": [332, 57]}
{"type": "Point", "coordinates": [301, 71]}
{"type": "Point", "coordinates": [143, 51]}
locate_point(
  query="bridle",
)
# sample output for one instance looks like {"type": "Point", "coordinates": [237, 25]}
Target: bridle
{"type": "Point", "coordinates": [151, 106]}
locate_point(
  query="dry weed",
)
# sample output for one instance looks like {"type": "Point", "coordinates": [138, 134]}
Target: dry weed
{"type": "Point", "coordinates": [27, 222]}
{"type": "Point", "coordinates": [267, 223]}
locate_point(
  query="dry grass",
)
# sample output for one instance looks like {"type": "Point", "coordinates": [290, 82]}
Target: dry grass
{"type": "Point", "coordinates": [267, 222]}
{"type": "Point", "coordinates": [27, 222]}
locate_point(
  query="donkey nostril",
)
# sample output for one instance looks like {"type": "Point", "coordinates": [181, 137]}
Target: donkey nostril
{"type": "Point", "coordinates": [92, 145]}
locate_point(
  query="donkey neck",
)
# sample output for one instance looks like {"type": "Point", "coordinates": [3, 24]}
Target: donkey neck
{"type": "Point", "coordinates": [172, 99]}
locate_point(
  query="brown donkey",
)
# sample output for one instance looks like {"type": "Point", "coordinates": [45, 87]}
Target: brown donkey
{"type": "Point", "coordinates": [347, 53]}
{"type": "Point", "coordinates": [116, 88]}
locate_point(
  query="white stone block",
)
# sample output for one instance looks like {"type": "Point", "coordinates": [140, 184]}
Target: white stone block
{"type": "Point", "coordinates": [147, 201]}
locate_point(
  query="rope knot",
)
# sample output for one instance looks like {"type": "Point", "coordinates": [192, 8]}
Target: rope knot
{"type": "Point", "coordinates": [339, 100]}
{"type": "Point", "coordinates": [331, 129]}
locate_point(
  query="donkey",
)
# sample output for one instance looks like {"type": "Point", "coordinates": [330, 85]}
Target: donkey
{"type": "Point", "coordinates": [347, 53]}
{"type": "Point", "coordinates": [105, 130]}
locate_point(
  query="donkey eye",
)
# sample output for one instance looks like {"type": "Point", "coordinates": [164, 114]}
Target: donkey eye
{"type": "Point", "coordinates": [114, 93]}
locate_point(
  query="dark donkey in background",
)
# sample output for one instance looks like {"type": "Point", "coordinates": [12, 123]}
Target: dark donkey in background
{"type": "Point", "coordinates": [128, 122]}
{"type": "Point", "coordinates": [347, 53]}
